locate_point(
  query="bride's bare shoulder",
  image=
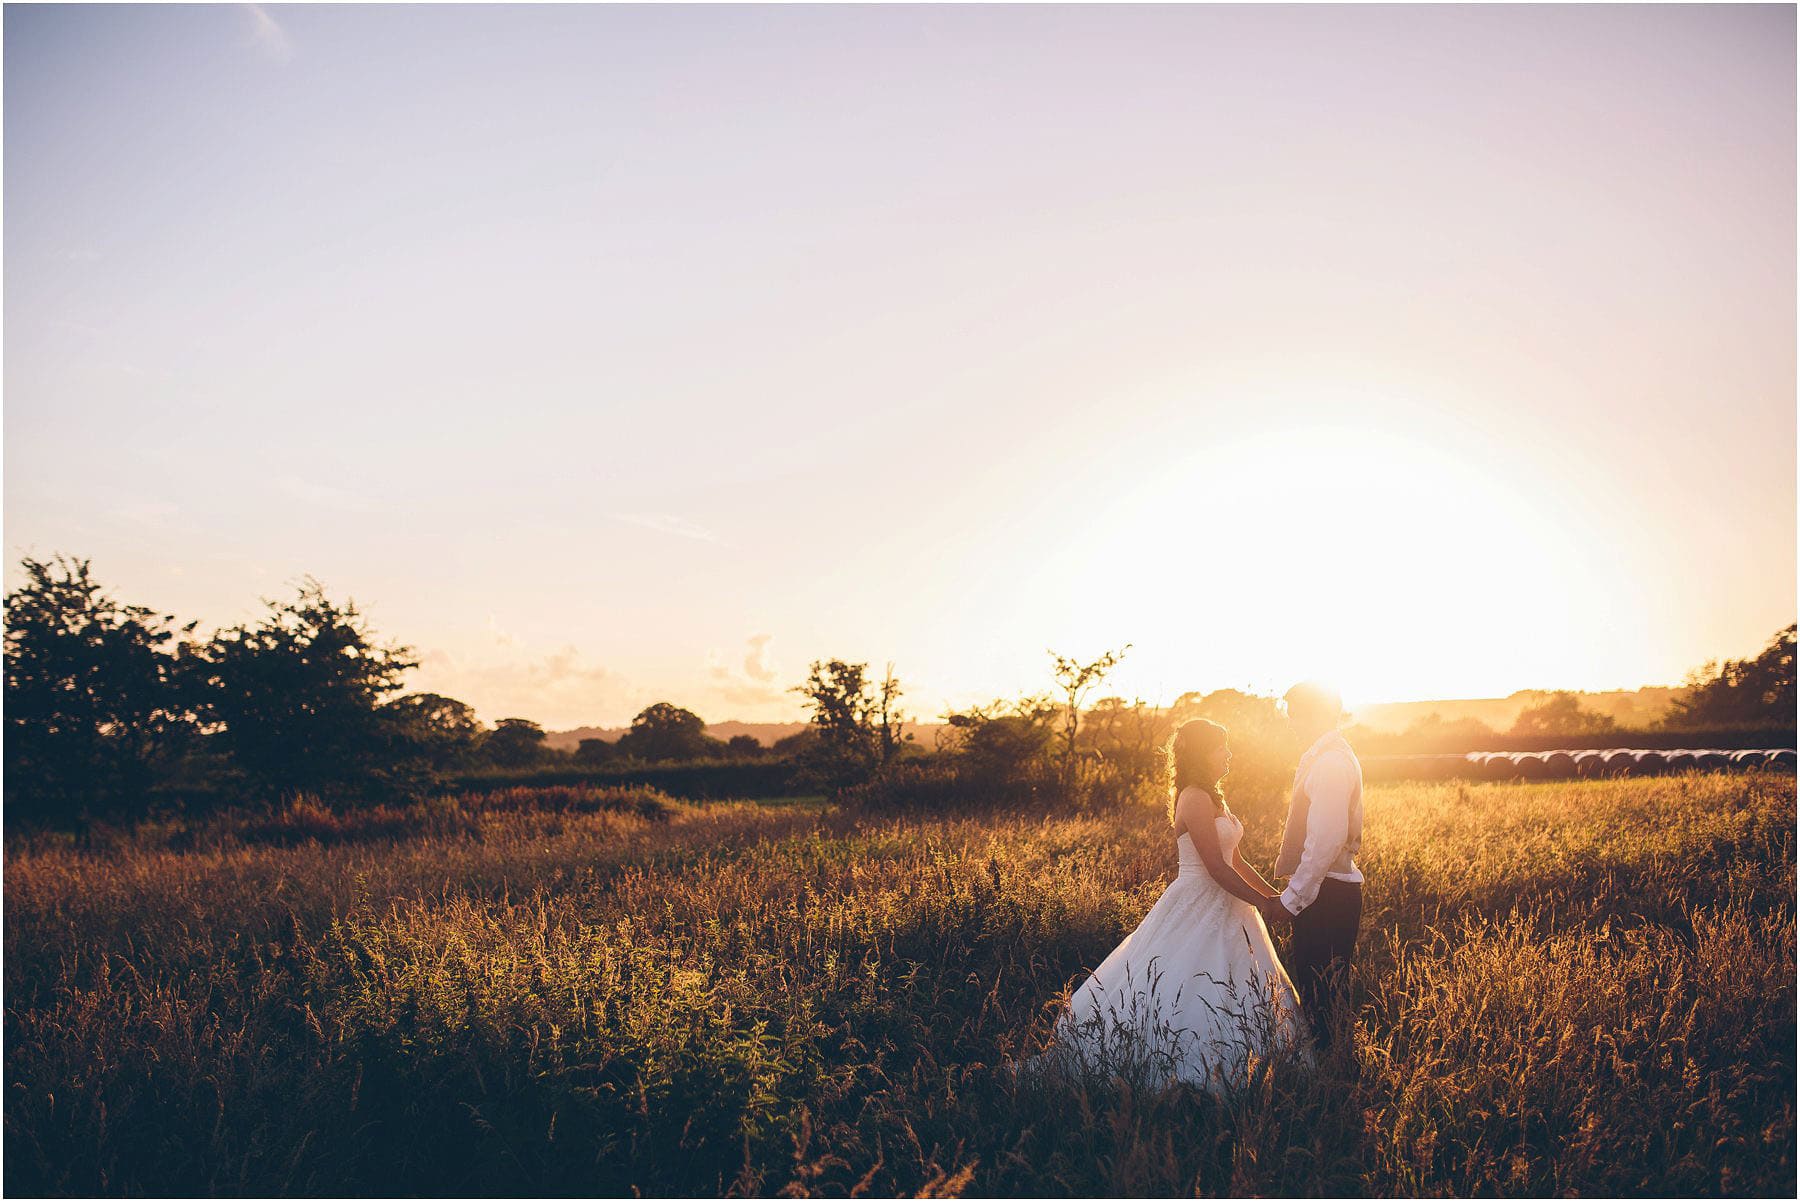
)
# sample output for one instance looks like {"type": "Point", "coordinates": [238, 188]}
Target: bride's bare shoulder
{"type": "Point", "coordinates": [1194, 795]}
{"type": "Point", "coordinates": [1193, 807]}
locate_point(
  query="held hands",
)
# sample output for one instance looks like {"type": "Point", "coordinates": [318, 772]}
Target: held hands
{"type": "Point", "coordinates": [1273, 912]}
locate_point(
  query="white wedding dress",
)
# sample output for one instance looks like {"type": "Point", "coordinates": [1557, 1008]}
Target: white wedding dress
{"type": "Point", "coordinates": [1195, 994]}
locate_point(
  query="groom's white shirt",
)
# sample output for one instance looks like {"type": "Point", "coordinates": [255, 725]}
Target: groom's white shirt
{"type": "Point", "coordinates": [1331, 778]}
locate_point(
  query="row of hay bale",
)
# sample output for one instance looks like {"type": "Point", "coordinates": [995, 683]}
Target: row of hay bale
{"type": "Point", "coordinates": [1574, 765]}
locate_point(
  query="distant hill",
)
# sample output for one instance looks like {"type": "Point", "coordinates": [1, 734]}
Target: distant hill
{"type": "Point", "coordinates": [765, 733]}
{"type": "Point", "coordinates": [1634, 709]}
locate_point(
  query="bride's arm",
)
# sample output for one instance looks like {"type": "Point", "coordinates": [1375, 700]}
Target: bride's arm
{"type": "Point", "coordinates": [1250, 875]}
{"type": "Point", "coordinates": [1205, 835]}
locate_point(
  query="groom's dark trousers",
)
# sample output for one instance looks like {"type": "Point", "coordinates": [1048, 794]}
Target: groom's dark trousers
{"type": "Point", "coordinates": [1319, 954]}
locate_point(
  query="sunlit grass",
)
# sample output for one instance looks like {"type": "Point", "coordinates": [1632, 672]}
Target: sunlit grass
{"type": "Point", "coordinates": [1564, 988]}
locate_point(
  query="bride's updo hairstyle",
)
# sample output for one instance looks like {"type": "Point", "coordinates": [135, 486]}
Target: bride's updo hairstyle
{"type": "Point", "coordinates": [1187, 753]}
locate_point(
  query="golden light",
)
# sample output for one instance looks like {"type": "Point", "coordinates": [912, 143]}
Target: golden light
{"type": "Point", "coordinates": [1391, 567]}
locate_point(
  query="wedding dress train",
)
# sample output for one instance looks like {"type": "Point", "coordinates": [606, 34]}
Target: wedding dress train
{"type": "Point", "coordinates": [1195, 994]}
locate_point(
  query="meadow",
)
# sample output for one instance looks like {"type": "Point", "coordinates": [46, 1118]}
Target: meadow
{"type": "Point", "coordinates": [1563, 988]}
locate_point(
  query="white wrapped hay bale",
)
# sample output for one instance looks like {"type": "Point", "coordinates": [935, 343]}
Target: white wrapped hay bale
{"type": "Point", "coordinates": [1533, 765]}
{"type": "Point", "coordinates": [1590, 764]}
{"type": "Point", "coordinates": [1619, 762]}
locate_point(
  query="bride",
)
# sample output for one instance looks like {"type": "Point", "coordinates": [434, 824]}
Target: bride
{"type": "Point", "coordinates": [1196, 993]}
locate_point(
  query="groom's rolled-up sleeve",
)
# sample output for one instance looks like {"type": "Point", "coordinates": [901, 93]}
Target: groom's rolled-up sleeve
{"type": "Point", "coordinates": [1329, 784]}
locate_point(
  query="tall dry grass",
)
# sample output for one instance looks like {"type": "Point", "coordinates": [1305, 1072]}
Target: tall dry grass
{"type": "Point", "coordinates": [1567, 988]}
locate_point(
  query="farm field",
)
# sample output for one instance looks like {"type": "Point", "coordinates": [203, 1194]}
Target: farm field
{"type": "Point", "coordinates": [1577, 987]}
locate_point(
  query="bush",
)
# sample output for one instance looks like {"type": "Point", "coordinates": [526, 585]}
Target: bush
{"type": "Point", "coordinates": [1005, 741]}
{"type": "Point", "coordinates": [950, 784]}
{"type": "Point", "coordinates": [929, 784]}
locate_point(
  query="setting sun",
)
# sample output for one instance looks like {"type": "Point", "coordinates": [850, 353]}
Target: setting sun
{"type": "Point", "coordinates": [1391, 565]}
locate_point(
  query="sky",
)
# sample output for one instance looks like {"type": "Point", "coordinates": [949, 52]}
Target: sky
{"type": "Point", "coordinates": [608, 355]}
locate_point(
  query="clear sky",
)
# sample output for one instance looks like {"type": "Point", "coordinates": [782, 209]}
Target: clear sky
{"type": "Point", "coordinates": [608, 355]}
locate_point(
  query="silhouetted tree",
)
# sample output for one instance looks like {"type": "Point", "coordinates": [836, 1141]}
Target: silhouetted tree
{"type": "Point", "coordinates": [95, 706]}
{"type": "Point", "coordinates": [440, 731]}
{"type": "Point", "coordinates": [296, 698]}
{"type": "Point", "coordinates": [1073, 680]}
{"type": "Point", "coordinates": [743, 747]}
{"type": "Point", "coordinates": [668, 732]}
{"type": "Point", "coordinates": [858, 724]}
{"type": "Point", "coordinates": [593, 752]}
{"type": "Point", "coordinates": [796, 745]}
{"type": "Point", "coordinates": [890, 721]}
{"type": "Point", "coordinates": [1561, 714]}
{"type": "Point", "coordinates": [1741, 692]}
{"type": "Point", "coordinates": [514, 743]}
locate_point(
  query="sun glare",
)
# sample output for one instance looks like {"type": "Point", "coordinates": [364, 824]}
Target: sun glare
{"type": "Point", "coordinates": [1387, 566]}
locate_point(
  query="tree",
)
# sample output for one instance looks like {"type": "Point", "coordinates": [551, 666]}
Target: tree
{"type": "Point", "coordinates": [514, 743]}
{"type": "Point", "coordinates": [743, 747]}
{"type": "Point", "coordinates": [440, 731]}
{"type": "Point", "coordinates": [667, 732]}
{"type": "Point", "coordinates": [1074, 679]}
{"type": "Point", "coordinates": [1561, 714]}
{"type": "Point", "coordinates": [890, 722]}
{"type": "Point", "coordinates": [798, 745]}
{"type": "Point", "coordinates": [837, 694]}
{"type": "Point", "coordinates": [859, 725]}
{"type": "Point", "coordinates": [594, 752]}
{"type": "Point", "coordinates": [1741, 692]}
{"type": "Point", "coordinates": [95, 706]}
{"type": "Point", "coordinates": [295, 699]}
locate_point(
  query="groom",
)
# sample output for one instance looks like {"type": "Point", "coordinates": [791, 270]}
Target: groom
{"type": "Point", "coordinates": [1323, 899]}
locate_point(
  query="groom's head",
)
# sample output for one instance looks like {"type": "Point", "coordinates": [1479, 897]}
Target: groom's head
{"type": "Point", "coordinates": [1312, 709]}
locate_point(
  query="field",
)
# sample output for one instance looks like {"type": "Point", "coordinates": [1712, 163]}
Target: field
{"type": "Point", "coordinates": [1569, 988]}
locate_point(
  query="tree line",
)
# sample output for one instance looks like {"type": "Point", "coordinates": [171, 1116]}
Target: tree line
{"type": "Point", "coordinates": [109, 705]}
{"type": "Point", "coordinates": [1755, 693]}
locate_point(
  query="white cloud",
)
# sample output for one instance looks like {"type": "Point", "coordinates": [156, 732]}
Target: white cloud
{"type": "Point", "coordinates": [756, 664]}
{"type": "Point", "coordinates": [751, 690]}
{"type": "Point", "coordinates": [668, 523]}
{"type": "Point", "coordinates": [267, 34]}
